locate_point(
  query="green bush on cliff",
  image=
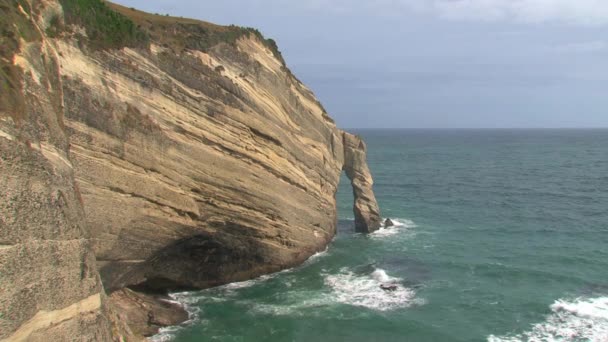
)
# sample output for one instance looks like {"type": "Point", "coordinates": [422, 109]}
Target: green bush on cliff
{"type": "Point", "coordinates": [105, 28]}
{"type": "Point", "coordinates": [269, 43]}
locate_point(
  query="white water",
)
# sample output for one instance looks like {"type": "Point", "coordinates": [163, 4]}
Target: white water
{"type": "Point", "coordinates": [578, 320]}
{"type": "Point", "coordinates": [342, 288]}
{"type": "Point", "coordinates": [190, 300]}
{"type": "Point", "coordinates": [399, 226]}
{"type": "Point", "coordinates": [364, 290]}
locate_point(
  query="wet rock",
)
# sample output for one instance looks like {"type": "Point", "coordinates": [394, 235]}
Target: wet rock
{"type": "Point", "coordinates": [146, 314]}
{"type": "Point", "coordinates": [389, 287]}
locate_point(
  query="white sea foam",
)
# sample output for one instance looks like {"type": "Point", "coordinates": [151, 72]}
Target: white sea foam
{"type": "Point", "coordinates": [364, 290]}
{"type": "Point", "coordinates": [345, 287]}
{"type": "Point", "coordinates": [399, 226]}
{"type": "Point", "coordinates": [299, 302]}
{"type": "Point", "coordinates": [242, 284]}
{"type": "Point", "coordinates": [578, 320]}
{"type": "Point", "coordinates": [313, 258]}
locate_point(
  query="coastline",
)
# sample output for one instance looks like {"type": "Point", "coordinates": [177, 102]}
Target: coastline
{"type": "Point", "coordinates": [180, 299]}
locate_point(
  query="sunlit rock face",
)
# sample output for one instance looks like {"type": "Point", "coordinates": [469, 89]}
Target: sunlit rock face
{"type": "Point", "coordinates": [185, 162]}
{"type": "Point", "coordinates": [367, 213]}
{"type": "Point", "coordinates": [50, 286]}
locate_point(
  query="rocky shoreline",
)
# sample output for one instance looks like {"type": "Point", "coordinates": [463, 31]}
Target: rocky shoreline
{"type": "Point", "coordinates": [146, 314]}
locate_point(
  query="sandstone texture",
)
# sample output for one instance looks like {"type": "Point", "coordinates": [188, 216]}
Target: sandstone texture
{"type": "Point", "coordinates": [185, 161]}
{"type": "Point", "coordinates": [50, 286]}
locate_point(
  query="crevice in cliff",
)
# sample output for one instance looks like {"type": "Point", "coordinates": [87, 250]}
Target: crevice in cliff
{"type": "Point", "coordinates": [180, 212]}
{"type": "Point", "coordinates": [266, 136]}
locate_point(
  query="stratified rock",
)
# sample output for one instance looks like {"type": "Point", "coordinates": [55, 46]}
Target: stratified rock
{"type": "Point", "coordinates": [388, 223]}
{"type": "Point", "coordinates": [211, 175]}
{"type": "Point", "coordinates": [49, 285]}
{"type": "Point", "coordinates": [197, 156]}
{"type": "Point", "coordinates": [367, 214]}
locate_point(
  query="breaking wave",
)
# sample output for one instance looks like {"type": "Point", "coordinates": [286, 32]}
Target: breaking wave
{"type": "Point", "coordinates": [399, 226]}
{"type": "Point", "coordinates": [364, 290]}
{"type": "Point", "coordinates": [577, 321]}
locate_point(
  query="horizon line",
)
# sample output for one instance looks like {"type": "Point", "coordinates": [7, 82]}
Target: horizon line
{"type": "Point", "coordinates": [474, 128]}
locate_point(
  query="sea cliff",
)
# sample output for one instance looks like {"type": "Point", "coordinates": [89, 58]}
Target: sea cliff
{"type": "Point", "coordinates": [142, 154]}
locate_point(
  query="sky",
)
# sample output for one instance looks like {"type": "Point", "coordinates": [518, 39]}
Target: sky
{"type": "Point", "coordinates": [435, 63]}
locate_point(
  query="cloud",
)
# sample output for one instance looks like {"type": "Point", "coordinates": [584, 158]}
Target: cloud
{"type": "Point", "coordinates": [577, 12]}
{"type": "Point", "coordinates": [586, 12]}
{"type": "Point", "coordinates": [584, 47]}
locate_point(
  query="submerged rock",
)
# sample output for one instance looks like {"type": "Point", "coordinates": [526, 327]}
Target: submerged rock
{"type": "Point", "coordinates": [389, 287]}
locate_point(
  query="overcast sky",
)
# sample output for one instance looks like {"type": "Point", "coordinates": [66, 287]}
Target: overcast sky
{"type": "Point", "coordinates": [435, 63]}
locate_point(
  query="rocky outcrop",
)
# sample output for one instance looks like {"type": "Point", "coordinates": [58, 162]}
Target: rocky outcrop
{"type": "Point", "coordinates": [367, 213]}
{"type": "Point", "coordinates": [146, 313]}
{"type": "Point", "coordinates": [186, 160]}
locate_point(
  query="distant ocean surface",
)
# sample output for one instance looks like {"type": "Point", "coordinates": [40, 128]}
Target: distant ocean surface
{"type": "Point", "coordinates": [502, 236]}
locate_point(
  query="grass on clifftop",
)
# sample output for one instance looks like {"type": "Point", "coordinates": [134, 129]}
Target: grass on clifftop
{"type": "Point", "coordinates": [184, 33]}
{"type": "Point", "coordinates": [105, 27]}
{"type": "Point", "coordinates": [109, 25]}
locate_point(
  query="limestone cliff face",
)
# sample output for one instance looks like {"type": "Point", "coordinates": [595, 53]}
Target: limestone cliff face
{"type": "Point", "coordinates": [50, 287]}
{"type": "Point", "coordinates": [185, 163]}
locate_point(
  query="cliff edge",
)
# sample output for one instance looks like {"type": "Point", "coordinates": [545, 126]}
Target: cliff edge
{"type": "Point", "coordinates": [149, 153]}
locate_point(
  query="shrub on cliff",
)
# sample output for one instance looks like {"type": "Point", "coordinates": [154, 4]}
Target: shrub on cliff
{"type": "Point", "coordinates": [105, 28]}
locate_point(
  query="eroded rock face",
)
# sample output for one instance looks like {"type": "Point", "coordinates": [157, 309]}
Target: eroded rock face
{"type": "Point", "coordinates": [195, 167]}
{"type": "Point", "coordinates": [50, 287]}
{"type": "Point", "coordinates": [201, 168]}
{"type": "Point", "coordinates": [367, 213]}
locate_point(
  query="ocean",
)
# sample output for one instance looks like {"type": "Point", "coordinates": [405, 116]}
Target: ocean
{"type": "Point", "coordinates": [502, 235]}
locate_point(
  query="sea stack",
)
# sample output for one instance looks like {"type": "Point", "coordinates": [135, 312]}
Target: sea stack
{"type": "Point", "coordinates": [153, 154]}
{"type": "Point", "coordinates": [367, 213]}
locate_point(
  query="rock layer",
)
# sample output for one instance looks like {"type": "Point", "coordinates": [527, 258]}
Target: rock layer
{"type": "Point", "coordinates": [367, 213]}
{"type": "Point", "coordinates": [198, 158]}
{"type": "Point", "coordinates": [50, 287]}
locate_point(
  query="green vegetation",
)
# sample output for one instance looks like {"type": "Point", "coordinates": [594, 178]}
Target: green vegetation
{"type": "Point", "coordinates": [14, 26]}
{"type": "Point", "coordinates": [105, 27]}
{"type": "Point", "coordinates": [183, 33]}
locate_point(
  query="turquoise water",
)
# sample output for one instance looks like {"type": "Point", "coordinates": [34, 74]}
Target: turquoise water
{"type": "Point", "coordinates": [503, 236]}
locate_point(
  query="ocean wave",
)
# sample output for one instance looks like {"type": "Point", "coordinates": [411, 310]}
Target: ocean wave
{"type": "Point", "coordinates": [578, 320]}
{"type": "Point", "coordinates": [190, 301]}
{"type": "Point", "coordinates": [399, 226]}
{"type": "Point", "coordinates": [313, 258]}
{"type": "Point", "coordinates": [346, 287]}
{"type": "Point", "coordinates": [364, 290]}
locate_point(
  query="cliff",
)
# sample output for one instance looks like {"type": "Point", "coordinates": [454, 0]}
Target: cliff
{"type": "Point", "coordinates": [153, 153]}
